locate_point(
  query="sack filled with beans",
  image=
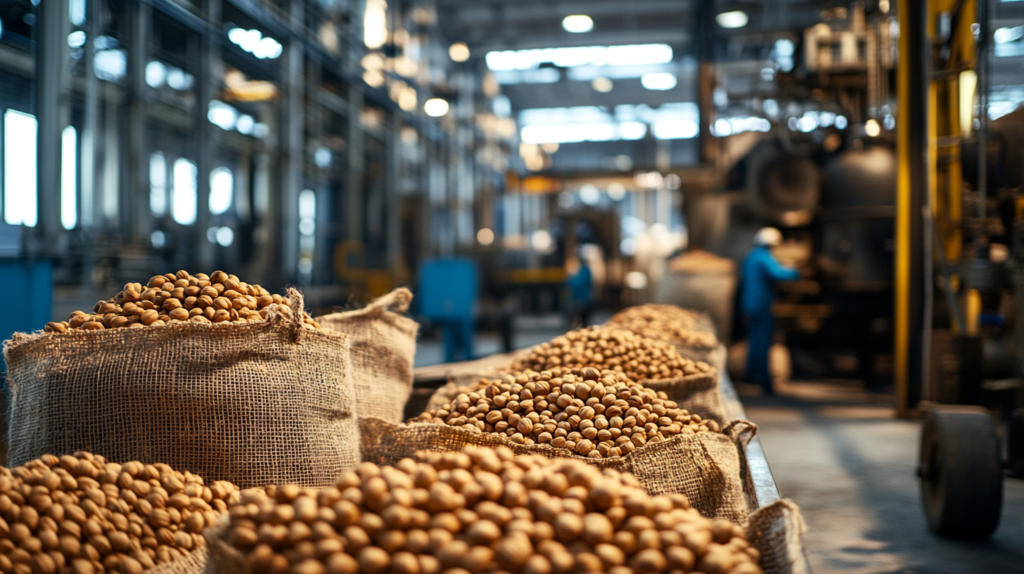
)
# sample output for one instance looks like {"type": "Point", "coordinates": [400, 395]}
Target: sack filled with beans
{"type": "Point", "coordinates": [681, 327]}
{"type": "Point", "coordinates": [594, 414]}
{"type": "Point", "coordinates": [667, 449]}
{"type": "Point", "coordinates": [638, 357]}
{"type": "Point", "coordinates": [264, 400]}
{"type": "Point", "coordinates": [655, 364]}
{"type": "Point", "coordinates": [176, 298]}
{"type": "Point", "coordinates": [476, 510]}
{"type": "Point", "coordinates": [84, 515]}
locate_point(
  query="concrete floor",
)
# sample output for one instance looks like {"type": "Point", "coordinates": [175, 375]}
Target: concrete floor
{"type": "Point", "coordinates": [839, 453]}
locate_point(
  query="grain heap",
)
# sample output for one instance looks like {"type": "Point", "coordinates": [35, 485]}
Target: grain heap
{"type": "Point", "coordinates": [478, 510]}
{"type": "Point", "coordinates": [594, 414]}
{"type": "Point", "coordinates": [700, 261]}
{"type": "Point", "coordinates": [665, 323]}
{"type": "Point", "coordinates": [617, 349]}
{"type": "Point", "coordinates": [174, 298]}
{"type": "Point", "coordinates": [85, 515]}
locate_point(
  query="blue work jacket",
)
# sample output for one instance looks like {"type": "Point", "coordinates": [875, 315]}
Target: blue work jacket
{"type": "Point", "coordinates": [760, 272]}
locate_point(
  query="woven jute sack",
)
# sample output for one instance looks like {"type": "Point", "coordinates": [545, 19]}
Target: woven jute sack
{"type": "Point", "coordinates": [224, 558]}
{"type": "Point", "coordinates": [383, 347]}
{"type": "Point", "coordinates": [704, 467]}
{"type": "Point", "coordinates": [776, 531]}
{"type": "Point", "coordinates": [269, 402]}
{"type": "Point", "coordinates": [194, 563]}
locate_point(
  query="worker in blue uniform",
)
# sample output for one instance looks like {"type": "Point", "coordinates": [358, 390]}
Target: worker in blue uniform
{"type": "Point", "coordinates": [581, 289]}
{"type": "Point", "coordinates": [760, 273]}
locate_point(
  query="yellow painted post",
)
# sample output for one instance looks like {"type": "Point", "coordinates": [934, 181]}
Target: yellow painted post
{"type": "Point", "coordinates": [901, 327]}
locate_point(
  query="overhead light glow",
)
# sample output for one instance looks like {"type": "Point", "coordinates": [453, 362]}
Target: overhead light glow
{"type": "Point", "coordinates": [157, 184]}
{"type": "Point", "coordinates": [538, 76]}
{"type": "Point", "coordinates": [157, 239]}
{"type": "Point", "coordinates": [632, 54]}
{"type": "Point", "coordinates": [76, 12]}
{"type": "Point", "coordinates": [69, 178]}
{"type": "Point", "coordinates": [589, 194]}
{"type": "Point", "coordinates": [636, 280]}
{"type": "Point", "coordinates": [20, 184]}
{"type": "Point", "coordinates": [485, 236]}
{"type": "Point", "coordinates": [841, 122]}
{"type": "Point", "coordinates": [183, 196]}
{"type": "Point", "coordinates": [1007, 35]}
{"type": "Point", "coordinates": [593, 123]}
{"type": "Point", "coordinates": [784, 47]}
{"type": "Point", "coordinates": [725, 127]}
{"type": "Point", "coordinates": [733, 19]}
{"type": "Point", "coordinates": [375, 24]}
{"type": "Point", "coordinates": [458, 52]}
{"type": "Point", "coordinates": [602, 84]}
{"type": "Point", "coordinates": [541, 241]}
{"type": "Point", "coordinates": [616, 191]}
{"type": "Point", "coordinates": [225, 236]}
{"type": "Point", "coordinates": [222, 190]}
{"type": "Point", "coordinates": [178, 79]}
{"type": "Point", "coordinates": [658, 81]}
{"type": "Point", "coordinates": [245, 124]}
{"type": "Point", "coordinates": [435, 107]}
{"type": "Point", "coordinates": [110, 65]}
{"type": "Point", "coordinates": [76, 39]}
{"type": "Point", "coordinates": [577, 23]}
{"type": "Point", "coordinates": [156, 74]}
{"type": "Point", "coordinates": [222, 115]}
{"type": "Point", "coordinates": [253, 41]}
{"type": "Point", "coordinates": [872, 128]}
{"type": "Point", "coordinates": [675, 129]}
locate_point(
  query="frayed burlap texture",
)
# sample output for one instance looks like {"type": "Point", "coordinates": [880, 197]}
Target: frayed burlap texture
{"type": "Point", "coordinates": [383, 347]}
{"type": "Point", "coordinates": [776, 531]}
{"type": "Point", "coordinates": [704, 467]}
{"type": "Point", "coordinates": [263, 403]}
{"type": "Point", "coordinates": [194, 563]}
{"type": "Point", "coordinates": [698, 394]}
{"type": "Point", "coordinates": [224, 558]}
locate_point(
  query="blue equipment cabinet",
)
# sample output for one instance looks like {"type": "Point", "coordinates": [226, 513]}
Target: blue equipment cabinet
{"type": "Point", "coordinates": [31, 285]}
{"type": "Point", "coordinates": [448, 293]}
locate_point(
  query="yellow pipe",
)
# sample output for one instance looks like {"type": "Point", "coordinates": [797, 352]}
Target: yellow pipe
{"type": "Point", "coordinates": [973, 315]}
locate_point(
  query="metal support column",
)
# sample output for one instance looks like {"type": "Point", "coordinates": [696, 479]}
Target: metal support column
{"type": "Point", "coordinates": [912, 132]}
{"type": "Point", "coordinates": [354, 183]}
{"type": "Point", "coordinates": [208, 81]}
{"type": "Point", "coordinates": [135, 217]}
{"type": "Point", "coordinates": [292, 156]}
{"type": "Point", "coordinates": [704, 44]}
{"type": "Point", "coordinates": [51, 113]}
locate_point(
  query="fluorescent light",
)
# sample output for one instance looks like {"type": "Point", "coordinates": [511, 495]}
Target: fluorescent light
{"type": "Point", "coordinates": [658, 81]}
{"type": "Point", "coordinates": [872, 128]}
{"type": "Point", "coordinates": [435, 107]}
{"type": "Point", "coordinates": [157, 184]}
{"type": "Point", "coordinates": [225, 236]}
{"type": "Point", "coordinates": [20, 185]}
{"type": "Point", "coordinates": [725, 127]}
{"type": "Point", "coordinates": [307, 204]}
{"type": "Point", "coordinates": [458, 52]}
{"type": "Point", "coordinates": [255, 43]}
{"type": "Point", "coordinates": [784, 47]}
{"type": "Point", "coordinates": [322, 157]}
{"type": "Point", "coordinates": [76, 12]}
{"type": "Point", "coordinates": [222, 190]}
{"type": "Point", "coordinates": [1007, 35]}
{"type": "Point", "coordinates": [602, 84]}
{"type": "Point", "coordinates": [110, 65]}
{"type": "Point", "coordinates": [840, 122]}
{"type": "Point", "coordinates": [675, 129]}
{"type": "Point", "coordinates": [375, 24]}
{"type": "Point", "coordinates": [76, 39]}
{"type": "Point", "coordinates": [722, 128]}
{"type": "Point", "coordinates": [245, 124]}
{"type": "Point", "coordinates": [632, 54]}
{"type": "Point", "coordinates": [538, 76]}
{"type": "Point", "coordinates": [578, 23]}
{"type": "Point", "coordinates": [183, 196]}
{"type": "Point", "coordinates": [734, 19]}
{"type": "Point", "coordinates": [69, 178]}
{"type": "Point", "coordinates": [156, 74]}
{"type": "Point", "coordinates": [222, 115]}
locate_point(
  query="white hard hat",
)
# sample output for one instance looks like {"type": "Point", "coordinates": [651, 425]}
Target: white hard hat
{"type": "Point", "coordinates": [768, 236]}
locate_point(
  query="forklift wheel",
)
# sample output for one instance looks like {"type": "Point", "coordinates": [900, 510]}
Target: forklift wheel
{"type": "Point", "coordinates": [961, 472]}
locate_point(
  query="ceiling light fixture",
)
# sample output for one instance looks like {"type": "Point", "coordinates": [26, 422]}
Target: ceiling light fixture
{"type": "Point", "coordinates": [734, 19]}
{"type": "Point", "coordinates": [458, 52]}
{"type": "Point", "coordinates": [435, 107]}
{"type": "Point", "coordinates": [577, 23]}
{"type": "Point", "coordinates": [603, 85]}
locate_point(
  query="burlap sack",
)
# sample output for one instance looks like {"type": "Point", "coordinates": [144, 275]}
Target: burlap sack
{"type": "Point", "coordinates": [699, 394]}
{"type": "Point", "coordinates": [263, 403]}
{"type": "Point", "coordinates": [194, 563]}
{"type": "Point", "coordinates": [704, 467]}
{"type": "Point", "coordinates": [224, 558]}
{"type": "Point", "coordinates": [776, 531]}
{"type": "Point", "coordinates": [383, 347]}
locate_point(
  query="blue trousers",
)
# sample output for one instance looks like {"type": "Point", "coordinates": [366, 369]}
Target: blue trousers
{"type": "Point", "coordinates": [458, 335]}
{"type": "Point", "coordinates": [762, 331]}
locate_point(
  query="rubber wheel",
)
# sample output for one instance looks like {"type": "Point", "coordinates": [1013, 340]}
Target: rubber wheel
{"type": "Point", "coordinates": [961, 473]}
